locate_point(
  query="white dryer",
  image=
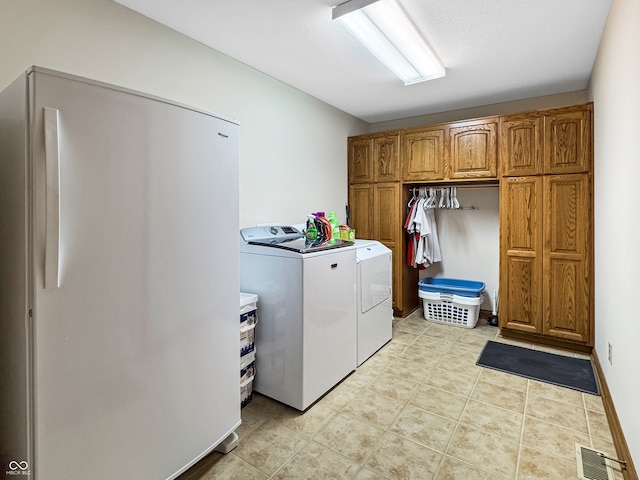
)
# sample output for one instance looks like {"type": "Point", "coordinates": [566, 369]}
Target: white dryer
{"type": "Point", "coordinates": [373, 297]}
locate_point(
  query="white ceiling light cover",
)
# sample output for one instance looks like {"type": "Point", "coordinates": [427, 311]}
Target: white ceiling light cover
{"type": "Point", "coordinates": [385, 30]}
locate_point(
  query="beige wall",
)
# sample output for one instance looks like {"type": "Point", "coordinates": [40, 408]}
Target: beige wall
{"type": "Point", "coordinates": [292, 146]}
{"type": "Point", "coordinates": [615, 85]}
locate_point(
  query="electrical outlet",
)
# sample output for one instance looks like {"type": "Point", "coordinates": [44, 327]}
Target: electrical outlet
{"type": "Point", "coordinates": [610, 354]}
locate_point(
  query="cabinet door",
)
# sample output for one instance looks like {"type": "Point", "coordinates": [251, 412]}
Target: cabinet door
{"type": "Point", "coordinates": [567, 257]}
{"type": "Point", "coordinates": [360, 159]}
{"type": "Point", "coordinates": [388, 229]}
{"type": "Point", "coordinates": [521, 253]}
{"type": "Point", "coordinates": [423, 154]}
{"type": "Point", "coordinates": [521, 146]}
{"type": "Point", "coordinates": [361, 209]}
{"type": "Point", "coordinates": [386, 158]}
{"type": "Point", "coordinates": [473, 149]}
{"type": "Point", "coordinates": [567, 142]}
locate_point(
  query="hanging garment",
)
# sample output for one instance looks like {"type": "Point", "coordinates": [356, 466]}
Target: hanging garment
{"type": "Point", "coordinates": [423, 247]}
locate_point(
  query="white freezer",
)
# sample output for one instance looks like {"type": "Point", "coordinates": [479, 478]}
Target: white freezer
{"type": "Point", "coordinates": [119, 294]}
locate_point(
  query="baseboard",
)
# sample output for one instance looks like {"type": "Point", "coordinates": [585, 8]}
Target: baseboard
{"type": "Point", "coordinates": [622, 450]}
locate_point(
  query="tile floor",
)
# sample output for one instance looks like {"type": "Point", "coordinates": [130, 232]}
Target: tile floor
{"type": "Point", "coordinates": [419, 409]}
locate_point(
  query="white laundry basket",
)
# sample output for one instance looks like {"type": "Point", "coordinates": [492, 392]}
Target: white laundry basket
{"type": "Point", "coordinates": [440, 303]}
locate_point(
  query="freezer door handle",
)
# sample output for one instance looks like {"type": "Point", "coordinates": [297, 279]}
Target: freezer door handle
{"type": "Point", "coordinates": [52, 167]}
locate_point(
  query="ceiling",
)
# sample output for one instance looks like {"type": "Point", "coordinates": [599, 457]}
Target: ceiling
{"type": "Point", "coordinates": [493, 50]}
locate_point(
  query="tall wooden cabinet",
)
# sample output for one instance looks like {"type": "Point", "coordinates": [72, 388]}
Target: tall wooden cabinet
{"type": "Point", "coordinates": [375, 200]}
{"type": "Point", "coordinates": [546, 226]}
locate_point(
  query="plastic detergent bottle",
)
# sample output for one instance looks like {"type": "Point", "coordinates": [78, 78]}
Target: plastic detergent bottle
{"type": "Point", "coordinates": [335, 226]}
{"type": "Point", "coordinates": [311, 233]}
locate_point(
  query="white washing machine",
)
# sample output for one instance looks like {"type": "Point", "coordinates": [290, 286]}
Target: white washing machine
{"type": "Point", "coordinates": [307, 310]}
{"type": "Point", "coordinates": [373, 298]}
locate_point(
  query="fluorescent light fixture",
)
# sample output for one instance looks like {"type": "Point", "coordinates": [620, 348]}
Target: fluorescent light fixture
{"type": "Point", "coordinates": [384, 29]}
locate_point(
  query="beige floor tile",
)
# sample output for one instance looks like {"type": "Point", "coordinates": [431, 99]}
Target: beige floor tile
{"type": "Point", "coordinates": [558, 413]}
{"type": "Point", "coordinates": [377, 362]}
{"type": "Point", "coordinates": [415, 326]}
{"type": "Point", "coordinates": [400, 459]}
{"type": "Point", "coordinates": [424, 427]}
{"type": "Point", "coordinates": [536, 465]}
{"type": "Point", "coordinates": [316, 461]}
{"type": "Point", "coordinates": [366, 474]}
{"type": "Point", "coordinates": [473, 340]}
{"type": "Point", "coordinates": [447, 332]}
{"type": "Point", "coordinates": [454, 469]}
{"type": "Point", "coordinates": [514, 382]}
{"type": "Point", "coordinates": [433, 343]}
{"type": "Point", "coordinates": [492, 419]}
{"type": "Point", "coordinates": [269, 408]}
{"type": "Point", "coordinates": [450, 381]}
{"type": "Point", "coordinates": [593, 402]}
{"type": "Point", "coordinates": [440, 402]}
{"type": "Point", "coordinates": [269, 446]}
{"type": "Point", "coordinates": [499, 396]}
{"type": "Point", "coordinates": [250, 421]}
{"type": "Point", "coordinates": [484, 450]}
{"type": "Point", "coordinates": [598, 425]}
{"type": "Point", "coordinates": [604, 445]}
{"type": "Point", "coordinates": [554, 392]}
{"type": "Point", "coordinates": [461, 362]}
{"type": "Point", "coordinates": [362, 377]}
{"type": "Point", "coordinates": [310, 422]}
{"type": "Point", "coordinates": [394, 387]}
{"type": "Point", "coordinates": [404, 338]}
{"type": "Point", "coordinates": [391, 350]}
{"type": "Point", "coordinates": [227, 467]}
{"type": "Point", "coordinates": [350, 436]}
{"type": "Point", "coordinates": [552, 439]}
{"type": "Point", "coordinates": [375, 408]}
{"type": "Point", "coordinates": [408, 370]}
{"type": "Point", "coordinates": [341, 395]}
{"type": "Point", "coordinates": [421, 355]}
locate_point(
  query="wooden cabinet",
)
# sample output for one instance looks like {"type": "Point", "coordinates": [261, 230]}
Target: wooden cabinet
{"type": "Point", "coordinates": [462, 150]}
{"type": "Point", "coordinates": [473, 149]}
{"type": "Point", "coordinates": [423, 154]}
{"type": "Point", "coordinates": [360, 159]}
{"type": "Point", "coordinates": [546, 142]}
{"type": "Point", "coordinates": [521, 252]}
{"type": "Point", "coordinates": [521, 145]}
{"type": "Point", "coordinates": [376, 205]}
{"type": "Point", "coordinates": [567, 141]}
{"type": "Point", "coordinates": [386, 158]}
{"type": "Point", "coordinates": [361, 209]}
{"type": "Point", "coordinates": [544, 160]}
{"type": "Point", "coordinates": [567, 257]}
{"type": "Point", "coordinates": [546, 257]}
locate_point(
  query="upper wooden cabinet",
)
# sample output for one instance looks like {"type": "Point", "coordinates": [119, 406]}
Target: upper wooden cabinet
{"type": "Point", "coordinates": [473, 149]}
{"type": "Point", "coordinates": [423, 154]}
{"type": "Point", "coordinates": [521, 145]}
{"type": "Point", "coordinates": [386, 158]}
{"type": "Point", "coordinates": [546, 142]}
{"type": "Point", "coordinates": [374, 158]}
{"type": "Point", "coordinates": [567, 141]}
{"type": "Point", "coordinates": [360, 159]}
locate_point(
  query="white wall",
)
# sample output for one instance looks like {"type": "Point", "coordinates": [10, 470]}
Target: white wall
{"type": "Point", "coordinates": [470, 240]}
{"type": "Point", "coordinates": [292, 146]}
{"type": "Point", "coordinates": [615, 85]}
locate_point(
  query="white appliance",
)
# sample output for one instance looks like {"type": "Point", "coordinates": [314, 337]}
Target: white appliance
{"type": "Point", "coordinates": [119, 345]}
{"type": "Point", "coordinates": [375, 311]}
{"type": "Point", "coordinates": [306, 337]}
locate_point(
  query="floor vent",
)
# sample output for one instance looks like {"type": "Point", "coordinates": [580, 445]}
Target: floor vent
{"type": "Point", "coordinates": [592, 465]}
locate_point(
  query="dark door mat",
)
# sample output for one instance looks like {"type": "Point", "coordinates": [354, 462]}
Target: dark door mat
{"type": "Point", "coordinates": [570, 372]}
